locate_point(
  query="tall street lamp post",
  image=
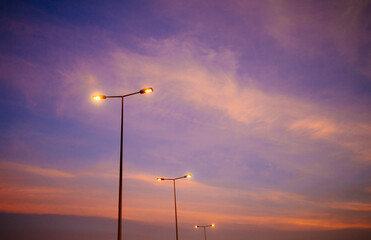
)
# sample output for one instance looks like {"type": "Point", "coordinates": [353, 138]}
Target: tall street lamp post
{"type": "Point", "coordinates": [204, 227]}
{"type": "Point", "coordinates": [101, 97]}
{"type": "Point", "coordinates": [176, 215]}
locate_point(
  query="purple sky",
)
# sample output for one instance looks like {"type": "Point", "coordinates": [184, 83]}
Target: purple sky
{"type": "Point", "coordinates": [265, 103]}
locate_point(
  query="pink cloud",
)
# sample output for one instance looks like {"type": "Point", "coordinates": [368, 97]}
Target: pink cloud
{"type": "Point", "coordinates": [195, 74]}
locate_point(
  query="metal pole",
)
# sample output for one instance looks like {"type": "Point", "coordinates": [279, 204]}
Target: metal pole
{"type": "Point", "coordinates": [205, 232]}
{"type": "Point", "coordinates": [176, 217]}
{"type": "Point", "coordinates": [121, 167]}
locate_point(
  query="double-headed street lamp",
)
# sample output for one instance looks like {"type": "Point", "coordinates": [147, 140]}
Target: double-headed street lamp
{"type": "Point", "coordinates": [176, 215]}
{"type": "Point", "coordinates": [204, 227]}
{"type": "Point", "coordinates": [100, 97]}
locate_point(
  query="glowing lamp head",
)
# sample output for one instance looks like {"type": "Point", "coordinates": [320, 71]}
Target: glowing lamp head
{"type": "Point", "coordinates": [188, 176]}
{"type": "Point", "coordinates": [196, 226]}
{"type": "Point", "coordinates": [159, 179]}
{"type": "Point", "coordinates": [99, 97]}
{"type": "Point", "coordinates": [146, 90]}
{"type": "Point", "coordinates": [213, 225]}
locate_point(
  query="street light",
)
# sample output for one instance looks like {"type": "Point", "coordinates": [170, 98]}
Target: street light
{"type": "Point", "coordinates": [101, 97]}
{"type": "Point", "coordinates": [176, 215]}
{"type": "Point", "coordinates": [204, 227]}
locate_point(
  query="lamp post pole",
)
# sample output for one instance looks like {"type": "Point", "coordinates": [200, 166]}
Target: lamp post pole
{"type": "Point", "coordinates": [101, 97]}
{"type": "Point", "coordinates": [204, 227]}
{"type": "Point", "coordinates": [176, 214]}
{"type": "Point", "coordinates": [119, 230]}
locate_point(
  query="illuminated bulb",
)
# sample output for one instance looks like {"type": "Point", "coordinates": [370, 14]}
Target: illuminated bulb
{"type": "Point", "coordinates": [99, 97]}
{"type": "Point", "coordinates": [213, 225]}
{"type": "Point", "coordinates": [159, 179]}
{"type": "Point", "coordinates": [188, 176]}
{"type": "Point", "coordinates": [146, 90]}
{"type": "Point", "coordinates": [196, 226]}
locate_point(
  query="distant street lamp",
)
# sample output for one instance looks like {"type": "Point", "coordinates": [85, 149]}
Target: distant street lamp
{"type": "Point", "coordinates": [176, 215]}
{"type": "Point", "coordinates": [101, 97]}
{"type": "Point", "coordinates": [204, 227]}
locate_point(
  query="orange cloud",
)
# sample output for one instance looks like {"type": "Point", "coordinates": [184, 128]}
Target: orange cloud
{"type": "Point", "coordinates": [354, 206]}
{"type": "Point", "coordinates": [317, 128]}
{"type": "Point", "coordinates": [155, 204]}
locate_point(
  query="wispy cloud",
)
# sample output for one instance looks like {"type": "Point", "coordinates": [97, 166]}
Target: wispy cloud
{"type": "Point", "coordinates": [257, 207]}
{"type": "Point", "coordinates": [340, 24]}
{"type": "Point", "coordinates": [195, 74]}
{"type": "Point", "coordinates": [45, 172]}
{"type": "Point", "coordinates": [354, 206]}
{"type": "Point", "coordinates": [148, 200]}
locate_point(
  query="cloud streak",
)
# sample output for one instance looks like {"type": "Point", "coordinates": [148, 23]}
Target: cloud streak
{"type": "Point", "coordinates": [50, 173]}
{"type": "Point", "coordinates": [260, 207]}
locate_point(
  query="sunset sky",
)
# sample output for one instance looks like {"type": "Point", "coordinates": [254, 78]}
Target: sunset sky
{"type": "Point", "coordinates": [266, 103]}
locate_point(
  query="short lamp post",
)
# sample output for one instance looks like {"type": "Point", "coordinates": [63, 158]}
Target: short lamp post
{"type": "Point", "coordinates": [176, 214]}
{"type": "Point", "coordinates": [204, 227]}
{"type": "Point", "coordinates": [101, 97]}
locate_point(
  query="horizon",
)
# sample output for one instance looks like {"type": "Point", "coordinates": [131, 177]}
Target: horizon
{"type": "Point", "coordinates": [80, 227]}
